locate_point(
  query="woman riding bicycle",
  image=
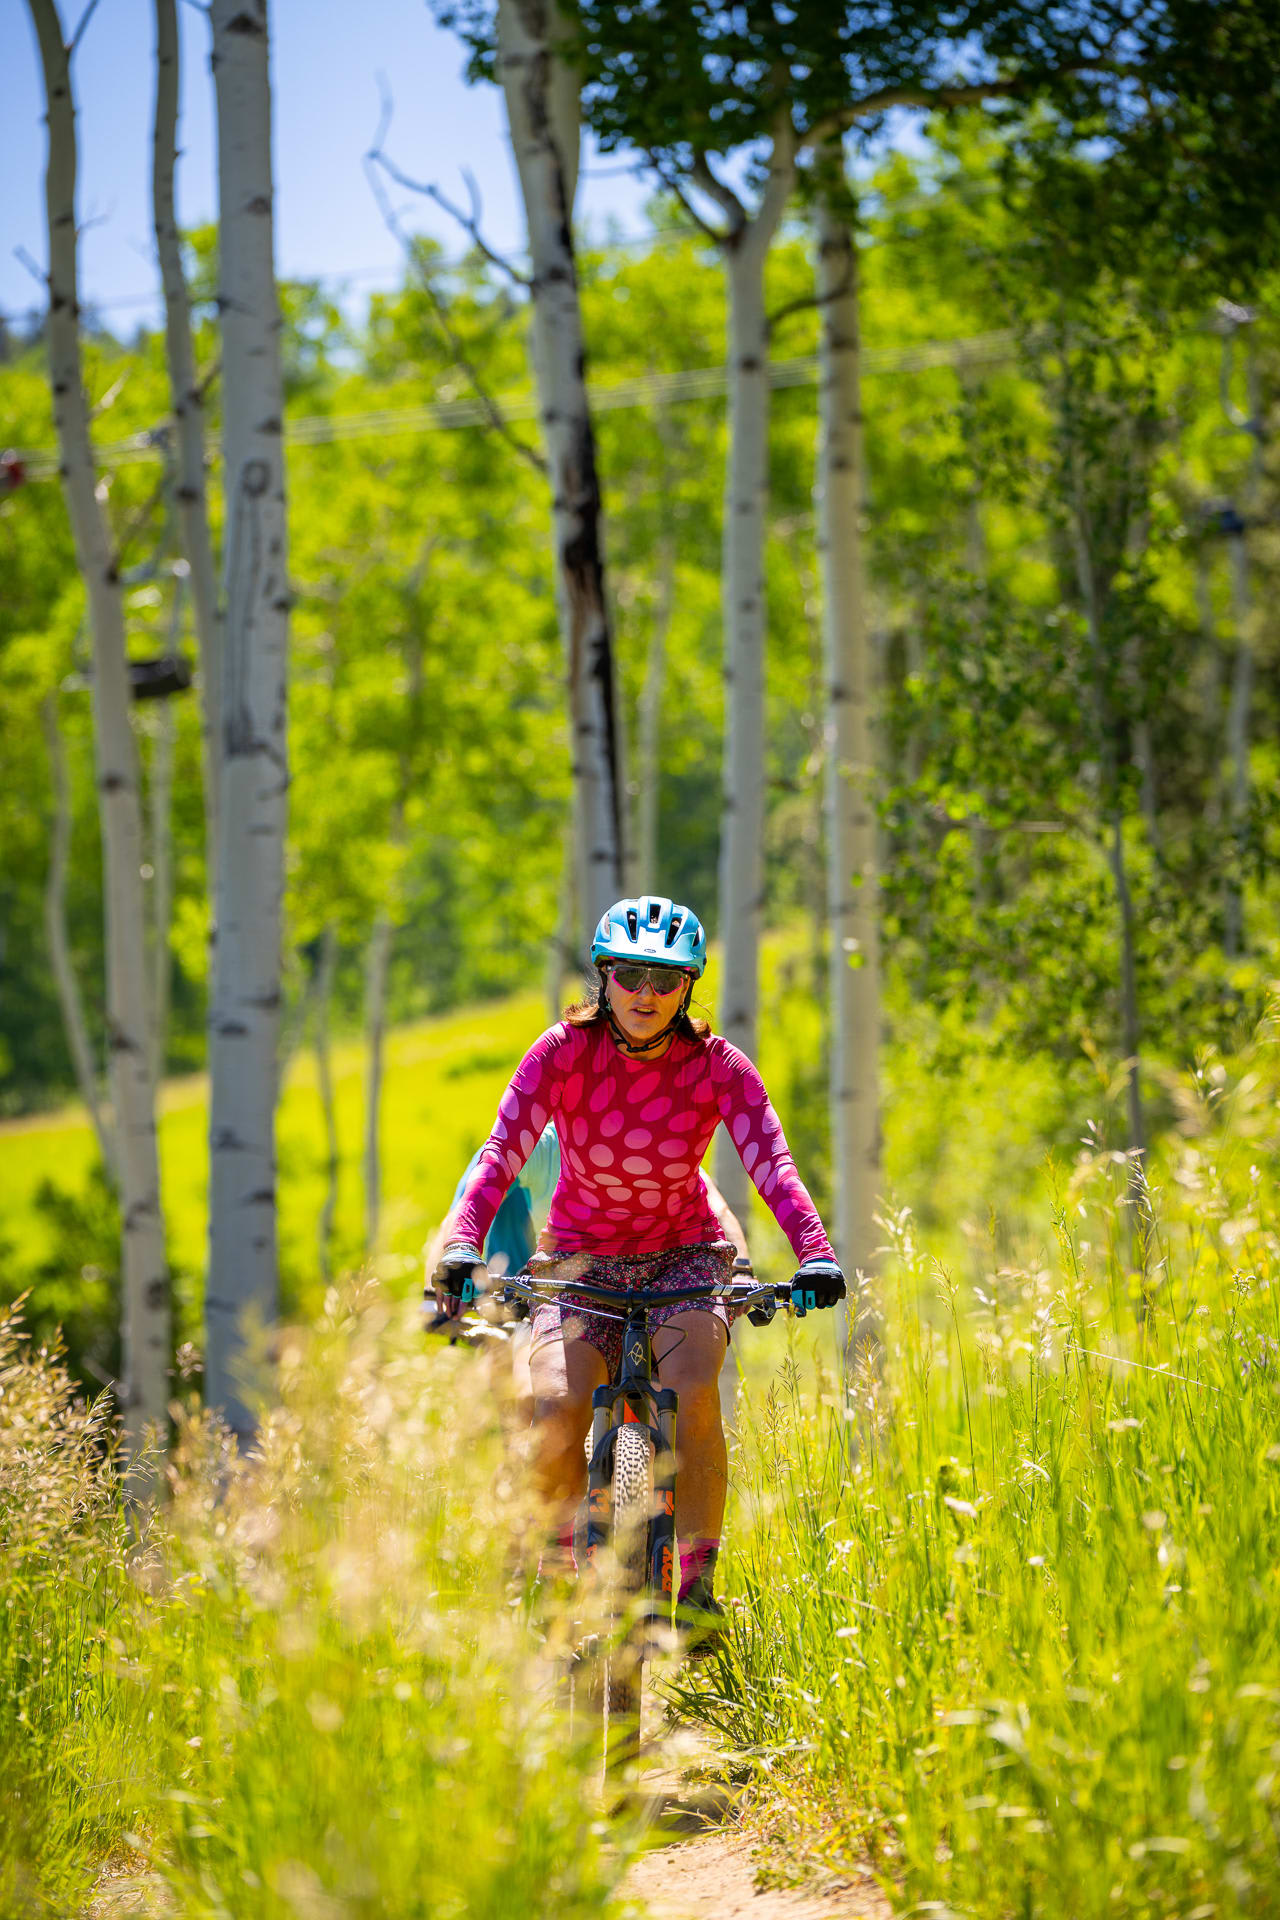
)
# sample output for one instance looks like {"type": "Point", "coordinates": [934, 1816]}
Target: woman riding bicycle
{"type": "Point", "coordinates": [636, 1086]}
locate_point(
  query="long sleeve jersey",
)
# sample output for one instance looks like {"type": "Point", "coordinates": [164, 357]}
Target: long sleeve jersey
{"type": "Point", "coordinates": [633, 1132]}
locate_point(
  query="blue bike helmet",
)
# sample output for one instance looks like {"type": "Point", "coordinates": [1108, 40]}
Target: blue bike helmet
{"type": "Point", "coordinates": [652, 928]}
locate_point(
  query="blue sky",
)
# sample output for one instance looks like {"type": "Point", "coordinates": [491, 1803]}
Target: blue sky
{"type": "Point", "coordinates": [326, 57]}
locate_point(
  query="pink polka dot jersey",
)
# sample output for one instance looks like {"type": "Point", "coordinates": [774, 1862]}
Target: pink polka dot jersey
{"type": "Point", "coordinates": [633, 1133]}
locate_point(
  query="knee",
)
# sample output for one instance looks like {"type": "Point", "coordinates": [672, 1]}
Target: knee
{"type": "Point", "coordinates": [699, 1390]}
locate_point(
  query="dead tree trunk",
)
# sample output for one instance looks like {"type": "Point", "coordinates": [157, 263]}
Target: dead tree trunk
{"type": "Point", "coordinates": [541, 94]}
{"type": "Point", "coordinates": [254, 776]}
{"type": "Point", "coordinates": [145, 1380]}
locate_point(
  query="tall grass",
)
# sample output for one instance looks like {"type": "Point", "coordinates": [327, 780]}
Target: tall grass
{"type": "Point", "coordinates": [1008, 1611]}
{"type": "Point", "coordinates": [310, 1687]}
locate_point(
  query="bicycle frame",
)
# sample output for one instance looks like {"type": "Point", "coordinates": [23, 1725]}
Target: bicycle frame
{"type": "Point", "coordinates": [643, 1403]}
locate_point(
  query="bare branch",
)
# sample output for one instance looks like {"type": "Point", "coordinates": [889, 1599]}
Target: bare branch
{"type": "Point", "coordinates": [804, 301]}
{"type": "Point", "coordinates": [496, 418]}
{"type": "Point", "coordinates": [20, 254]}
{"type": "Point", "coordinates": [78, 35]}
{"type": "Point", "coordinates": [204, 383]}
{"type": "Point", "coordinates": [672, 184]}
{"type": "Point", "coordinates": [721, 192]}
{"type": "Point", "coordinates": [377, 157]}
{"type": "Point", "coordinates": [469, 224]}
{"type": "Point", "coordinates": [110, 397]}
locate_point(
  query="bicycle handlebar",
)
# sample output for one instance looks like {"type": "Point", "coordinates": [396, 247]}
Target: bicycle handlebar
{"type": "Point", "coordinates": [737, 1293]}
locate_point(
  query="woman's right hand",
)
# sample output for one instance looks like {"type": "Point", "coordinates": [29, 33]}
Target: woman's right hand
{"type": "Point", "coordinates": [455, 1276]}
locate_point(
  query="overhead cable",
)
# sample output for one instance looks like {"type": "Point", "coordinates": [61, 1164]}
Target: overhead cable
{"type": "Point", "coordinates": [693, 383]}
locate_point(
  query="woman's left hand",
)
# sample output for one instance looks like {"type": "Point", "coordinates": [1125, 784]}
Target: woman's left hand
{"type": "Point", "coordinates": [823, 1279]}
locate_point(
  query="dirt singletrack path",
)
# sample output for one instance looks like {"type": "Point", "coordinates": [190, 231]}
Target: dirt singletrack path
{"type": "Point", "coordinates": [713, 1877]}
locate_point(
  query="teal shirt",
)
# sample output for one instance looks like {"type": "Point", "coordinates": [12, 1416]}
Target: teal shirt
{"type": "Point", "coordinates": [512, 1237]}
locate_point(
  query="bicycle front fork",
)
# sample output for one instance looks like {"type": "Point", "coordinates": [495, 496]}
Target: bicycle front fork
{"type": "Point", "coordinates": [663, 1402]}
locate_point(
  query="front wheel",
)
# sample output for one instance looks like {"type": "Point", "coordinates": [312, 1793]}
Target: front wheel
{"type": "Point", "coordinates": [623, 1664]}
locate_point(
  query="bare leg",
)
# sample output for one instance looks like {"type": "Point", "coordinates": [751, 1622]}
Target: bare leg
{"type": "Point", "coordinates": [689, 1349]}
{"type": "Point", "coordinates": [563, 1374]}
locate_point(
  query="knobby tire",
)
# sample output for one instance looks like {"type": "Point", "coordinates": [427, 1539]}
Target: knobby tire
{"type": "Point", "coordinates": [621, 1670]}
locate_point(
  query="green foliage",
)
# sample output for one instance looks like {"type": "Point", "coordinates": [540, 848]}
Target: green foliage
{"type": "Point", "coordinates": [304, 1679]}
{"type": "Point", "coordinates": [1006, 1608]}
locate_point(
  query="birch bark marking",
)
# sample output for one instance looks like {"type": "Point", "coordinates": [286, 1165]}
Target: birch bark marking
{"type": "Point", "coordinates": [852, 876]}
{"type": "Point", "coordinates": [541, 95]}
{"type": "Point", "coordinates": [253, 782]}
{"type": "Point", "coordinates": [745, 248]}
{"type": "Point", "coordinates": [188, 416]}
{"type": "Point", "coordinates": [144, 1389]}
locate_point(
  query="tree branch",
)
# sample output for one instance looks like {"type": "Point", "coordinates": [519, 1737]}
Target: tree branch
{"type": "Point", "coordinates": [78, 35]}
{"type": "Point", "coordinates": [782, 173]}
{"type": "Point", "coordinates": [969, 93]}
{"type": "Point", "coordinates": [377, 157]}
{"type": "Point", "coordinates": [672, 184]}
{"type": "Point", "coordinates": [497, 419]}
{"type": "Point", "coordinates": [21, 255]}
{"type": "Point", "coordinates": [721, 192]}
{"type": "Point", "coordinates": [804, 301]}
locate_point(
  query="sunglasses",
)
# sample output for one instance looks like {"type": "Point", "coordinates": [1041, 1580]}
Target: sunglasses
{"type": "Point", "coordinates": [663, 980]}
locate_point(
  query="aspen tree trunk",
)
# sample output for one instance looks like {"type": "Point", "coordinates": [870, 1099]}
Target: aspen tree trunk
{"type": "Point", "coordinates": [144, 1389]}
{"type": "Point", "coordinates": [160, 798]}
{"type": "Point", "coordinates": [648, 772]}
{"type": "Point", "coordinates": [326, 966]}
{"type": "Point", "coordinates": [1238, 711]}
{"type": "Point", "coordinates": [253, 780]}
{"type": "Point", "coordinates": [564, 952]}
{"type": "Point", "coordinates": [1212, 678]}
{"type": "Point", "coordinates": [542, 102]}
{"type": "Point", "coordinates": [1240, 704]}
{"type": "Point", "coordinates": [377, 969]}
{"type": "Point", "coordinates": [852, 877]}
{"type": "Point", "coordinates": [377, 972]}
{"type": "Point", "coordinates": [188, 418]}
{"type": "Point", "coordinates": [981, 839]}
{"type": "Point", "coordinates": [1130, 1022]}
{"type": "Point", "coordinates": [741, 882]}
{"type": "Point", "coordinates": [55, 929]}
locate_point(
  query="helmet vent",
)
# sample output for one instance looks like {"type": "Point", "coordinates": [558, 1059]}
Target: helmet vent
{"type": "Point", "coordinates": [655, 912]}
{"type": "Point", "coordinates": [673, 931]}
{"type": "Point", "coordinates": [633, 923]}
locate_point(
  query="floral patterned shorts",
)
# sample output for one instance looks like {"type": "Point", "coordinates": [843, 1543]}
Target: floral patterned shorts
{"type": "Point", "coordinates": [703, 1265]}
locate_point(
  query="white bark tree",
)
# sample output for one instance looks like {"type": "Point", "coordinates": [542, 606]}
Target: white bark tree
{"type": "Point", "coordinates": [253, 750]}
{"type": "Point", "coordinates": [744, 244]}
{"type": "Point", "coordinates": [190, 495]}
{"type": "Point", "coordinates": [144, 1386]}
{"type": "Point", "coordinates": [70, 999]}
{"type": "Point", "coordinates": [852, 871]}
{"type": "Point", "coordinates": [160, 842]}
{"type": "Point", "coordinates": [541, 93]}
{"type": "Point", "coordinates": [326, 968]}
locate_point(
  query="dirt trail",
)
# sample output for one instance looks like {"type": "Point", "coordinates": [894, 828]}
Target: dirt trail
{"type": "Point", "coordinates": [714, 1878]}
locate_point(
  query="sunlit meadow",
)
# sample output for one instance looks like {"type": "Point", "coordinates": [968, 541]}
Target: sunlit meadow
{"type": "Point", "coordinates": [1004, 1609]}
{"type": "Point", "coordinates": [310, 1686]}
{"type": "Point", "coordinates": [1007, 1615]}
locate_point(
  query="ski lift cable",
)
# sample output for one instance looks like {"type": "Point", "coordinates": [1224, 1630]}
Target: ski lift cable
{"type": "Point", "coordinates": [692, 383]}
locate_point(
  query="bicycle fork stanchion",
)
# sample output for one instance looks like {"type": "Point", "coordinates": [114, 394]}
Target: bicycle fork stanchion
{"type": "Point", "coordinates": [599, 1472]}
{"type": "Point", "coordinates": [662, 1530]}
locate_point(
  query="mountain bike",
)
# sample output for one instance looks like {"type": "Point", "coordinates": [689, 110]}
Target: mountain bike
{"type": "Point", "coordinates": [627, 1526]}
